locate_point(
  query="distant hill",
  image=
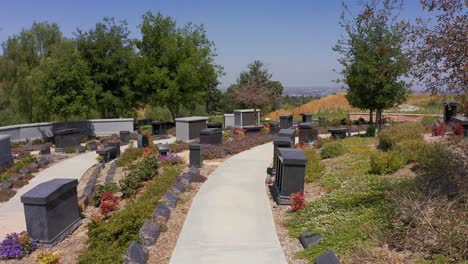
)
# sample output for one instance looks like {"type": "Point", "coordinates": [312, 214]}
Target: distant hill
{"type": "Point", "coordinates": [424, 103]}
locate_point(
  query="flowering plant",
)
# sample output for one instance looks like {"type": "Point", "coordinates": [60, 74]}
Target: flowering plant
{"type": "Point", "coordinates": [297, 202]}
{"type": "Point", "coordinates": [439, 129]}
{"type": "Point", "coordinates": [458, 129]}
{"type": "Point", "coordinates": [170, 159]}
{"type": "Point", "coordinates": [266, 129]}
{"type": "Point", "coordinates": [238, 132]}
{"type": "Point", "coordinates": [16, 246]}
{"type": "Point", "coordinates": [148, 152]}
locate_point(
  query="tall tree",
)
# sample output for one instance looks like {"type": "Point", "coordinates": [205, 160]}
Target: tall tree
{"type": "Point", "coordinates": [440, 48]}
{"type": "Point", "coordinates": [252, 95]}
{"type": "Point", "coordinates": [108, 52]}
{"type": "Point", "coordinates": [372, 57]}
{"type": "Point", "coordinates": [64, 88]}
{"type": "Point", "coordinates": [177, 62]}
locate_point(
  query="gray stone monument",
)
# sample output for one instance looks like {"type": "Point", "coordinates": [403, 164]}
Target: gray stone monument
{"type": "Point", "coordinates": [211, 136]}
{"type": "Point", "coordinates": [124, 137]}
{"type": "Point", "coordinates": [163, 149]}
{"type": "Point", "coordinates": [188, 128]}
{"type": "Point", "coordinates": [159, 127]}
{"type": "Point", "coordinates": [450, 109]}
{"type": "Point", "coordinates": [196, 159]}
{"type": "Point", "coordinates": [214, 125]}
{"type": "Point", "coordinates": [338, 132]}
{"type": "Point", "coordinates": [274, 127]}
{"type": "Point", "coordinates": [247, 118]}
{"type": "Point", "coordinates": [290, 133]}
{"type": "Point", "coordinates": [142, 141]}
{"type": "Point", "coordinates": [306, 117]}
{"type": "Point", "coordinates": [51, 210]}
{"type": "Point", "coordinates": [307, 132]}
{"type": "Point", "coordinates": [5, 151]}
{"type": "Point", "coordinates": [286, 121]}
{"type": "Point", "coordinates": [66, 138]}
{"type": "Point", "coordinates": [280, 142]}
{"type": "Point", "coordinates": [228, 120]}
{"type": "Point", "coordinates": [290, 173]}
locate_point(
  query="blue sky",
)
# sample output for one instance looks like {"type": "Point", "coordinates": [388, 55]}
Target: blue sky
{"type": "Point", "coordinates": [294, 38]}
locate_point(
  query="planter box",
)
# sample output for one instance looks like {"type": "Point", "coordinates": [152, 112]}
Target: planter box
{"type": "Point", "coordinates": [51, 210]}
{"type": "Point", "coordinates": [5, 151]}
{"type": "Point", "coordinates": [67, 138]}
{"type": "Point", "coordinates": [188, 128]}
{"type": "Point", "coordinates": [290, 173]}
{"type": "Point", "coordinates": [307, 132]}
{"type": "Point", "coordinates": [246, 118]}
{"type": "Point", "coordinates": [212, 136]}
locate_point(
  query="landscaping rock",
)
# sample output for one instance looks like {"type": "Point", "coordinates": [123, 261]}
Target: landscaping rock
{"type": "Point", "coordinates": [149, 233]}
{"type": "Point", "coordinates": [170, 200]}
{"type": "Point", "coordinates": [16, 177]}
{"type": "Point", "coordinates": [91, 146]}
{"type": "Point", "coordinates": [186, 179]}
{"type": "Point", "coordinates": [80, 149]}
{"type": "Point", "coordinates": [136, 254]}
{"type": "Point", "coordinates": [45, 151]}
{"type": "Point", "coordinates": [43, 161]}
{"type": "Point", "coordinates": [19, 184]}
{"type": "Point", "coordinates": [34, 166]}
{"type": "Point", "coordinates": [8, 184]}
{"type": "Point", "coordinates": [178, 188]}
{"type": "Point", "coordinates": [161, 214]}
{"type": "Point", "coordinates": [328, 257]}
{"type": "Point", "coordinates": [309, 239]}
{"type": "Point", "coordinates": [24, 170]}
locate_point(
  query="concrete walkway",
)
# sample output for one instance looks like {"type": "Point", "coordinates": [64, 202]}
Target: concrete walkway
{"type": "Point", "coordinates": [230, 220]}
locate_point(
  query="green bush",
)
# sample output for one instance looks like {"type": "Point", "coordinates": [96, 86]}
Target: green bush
{"type": "Point", "coordinates": [129, 156]}
{"type": "Point", "coordinates": [386, 162]}
{"type": "Point", "coordinates": [100, 189]}
{"type": "Point", "coordinates": [314, 167]}
{"type": "Point", "coordinates": [332, 149]}
{"type": "Point", "coordinates": [388, 138]}
{"type": "Point", "coordinates": [70, 150]}
{"type": "Point", "coordinates": [411, 149]}
{"type": "Point", "coordinates": [131, 182]}
{"type": "Point", "coordinates": [109, 240]}
{"type": "Point", "coordinates": [370, 132]}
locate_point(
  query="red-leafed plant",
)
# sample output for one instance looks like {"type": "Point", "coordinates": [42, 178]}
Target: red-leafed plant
{"type": "Point", "coordinates": [300, 145]}
{"type": "Point", "coordinates": [109, 203]}
{"type": "Point", "coordinates": [297, 201]}
{"type": "Point", "coordinates": [439, 129]}
{"type": "Point", "coordinates": [148, 152]}
{"type": "Point", "coordinates": [458, 130]}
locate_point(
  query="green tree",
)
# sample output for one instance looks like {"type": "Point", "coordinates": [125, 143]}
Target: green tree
{"type": "Point", "coordinates": [177, 63]}
{"type": "Point", "coordinates": [64, 88]}
{"type": "Point", "coordinates": [213, 100]}
{"type": "Point", "coordinates": [109, 52]}
{"type": "Point", "coordinates": [372, 57]}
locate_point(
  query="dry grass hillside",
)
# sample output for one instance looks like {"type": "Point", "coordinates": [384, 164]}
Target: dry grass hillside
{"type": "Point", "coordinates": [338, 102]}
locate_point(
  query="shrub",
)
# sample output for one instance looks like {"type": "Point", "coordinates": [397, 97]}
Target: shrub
{"type": "Point", "coordinates": [48, 257]}
{"type": "Point", "coordinates": [439, 129]}
{"type": "Point", "coordinates": [129, 156]}
{"type": "Point", "coordinates": [411, 149]}
{"type": "Point", "coordinates": [386, 162]}
{"type": "Point", "coordinates": [458, 130]}
{"type": "Point", "coordinates": [16, 246]}
{"type": "Point", "coordinates": [105, 188]}
{"type": "Point", "coordinates": [109, 240]}
{"type": "Point", "coordinates": [297, 202]}
{"type": "Point", "coordinates": [388, 138]}
{"type": "Point", "coordinates": [70, 150]}
{"type": "Point", "coordinates": [314, 167]}
{"type": "Point", "coordinates": [109, 203]}
{"type": "Point", "coordinates": [332, 150]}
{"type": "Point", "coordinates": [146, 170]}
{"type": "Point", "coordinates": [370, 132]}
{"type": "Point", "coordinates": [100, 159]}
{"type": "Point", "coordinates": [322, 141]}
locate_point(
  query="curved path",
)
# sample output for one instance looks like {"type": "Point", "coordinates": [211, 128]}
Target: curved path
{"type": "Point", "coordinates": [230, 220]}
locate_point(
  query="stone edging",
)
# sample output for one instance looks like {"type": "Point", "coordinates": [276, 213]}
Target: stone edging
{"type": "Point", "coordinates": [137, 253]}
{"type": "Point", "coordinates": [89, 189]}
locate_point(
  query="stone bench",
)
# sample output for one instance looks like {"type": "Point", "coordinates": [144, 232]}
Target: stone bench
{"type": "Point", "coordinates": [109, 153]}
{"type": "Point", "coordinates": [338, 132]}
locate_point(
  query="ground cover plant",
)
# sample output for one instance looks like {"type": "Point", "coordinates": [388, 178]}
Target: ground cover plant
{"type": "Point", "coordinates": [108, 240]}
{"type": "Point", "coordinates": [16, 246]}
{"type": "Point", "coordinates": [22, 162]}
{"type": "Point", "coordinates": [144, 171]}
{"type": "Point", "coordinates": [129, 156]}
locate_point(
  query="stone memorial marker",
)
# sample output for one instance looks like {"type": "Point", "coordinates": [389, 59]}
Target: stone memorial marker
{"type": "Point", "coordinates": [328, 257]}
{"type": "Point", "coordinates": [306, 117]}
{"type": "Point", "coordinates": [212, 136]}
{"type": "Point", "coordinates": [290, 133]}
{"type": "Point", "coordinates": [280, 142]}
{"type": "Point", "coordinates": [159, 127]}
{"type": "Point", "coordinates": [309, 239]}
{"type": "Point", "coordinates": [188, 128]}
{"type": "Point", "coordinates": [247, 118]}
{"type": "Point", "coordinates": [142, 141]}
{"type": "Point", "coordinates": [290, 173]}
{"type": "Point", "coordinates": [66, 138]}
{"type": "Point", "coordinates": [274, 127]}
{"type": "Point", "coordinates": [124, 137]}
{"type": "Point", "coordinates": [286, 121]}
{"type": "Point", "coordinates": [307, 132]}
{"type": "Point", "coordinates": [115, 143]}
{"type": "Point", "coordinates": [149, 233]}
{"type": "Point", "coordinates": [450, 109]}
{"type": "Point", "coordinates": [136, 254]}
{"type": "Point", "coordinates": [338, 132]}
{"type": "Point", "coordinates": [80, 149]}
{"type": "Point", "coordinates": [51, 210]}
{"type": "Point", "coordinates": [163, 149]}
{"type": "Point", "coordinates": [44, 151]}
{"type": "Point", "coordinates": [5, 151]}
{"type": "Point", "coordinates": [161, 214]}
{"type": "Point", "coordinates": [92, 146]}
{"type": "Point", "coordinates": [196, 159]}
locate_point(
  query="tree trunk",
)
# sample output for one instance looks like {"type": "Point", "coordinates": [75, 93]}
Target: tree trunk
{"type": "Point", "coordinates": [378, 119]}
{"type": "Point", "coordinates": [371, 116]}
